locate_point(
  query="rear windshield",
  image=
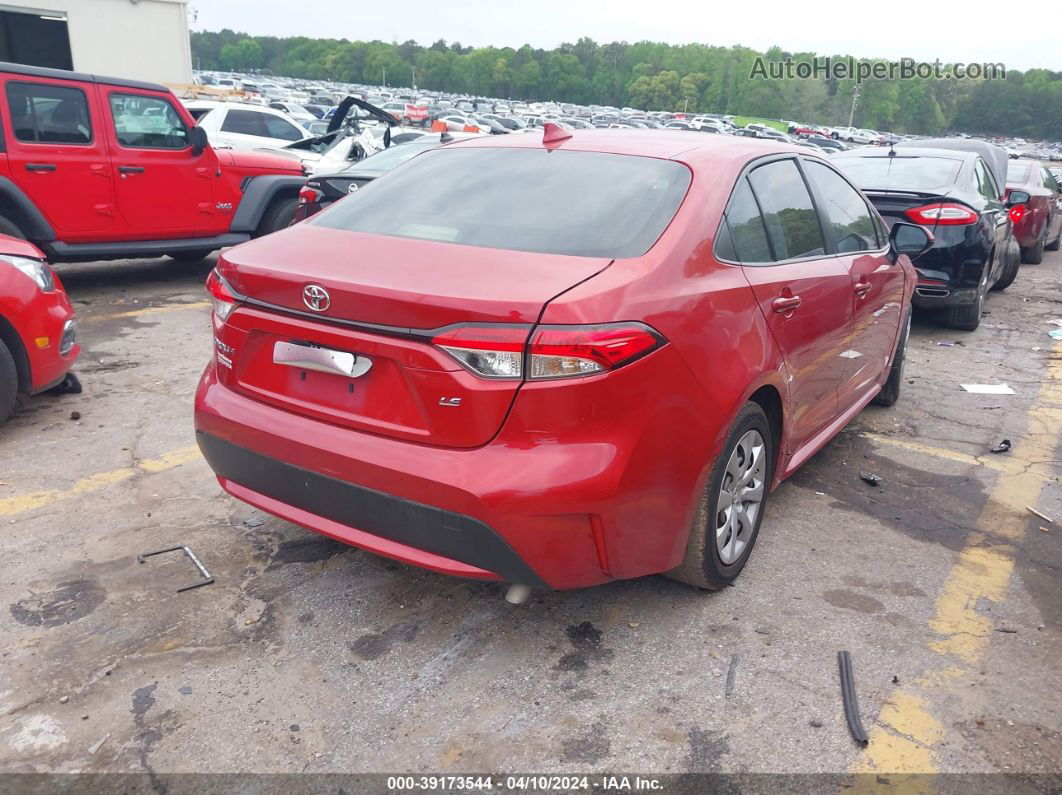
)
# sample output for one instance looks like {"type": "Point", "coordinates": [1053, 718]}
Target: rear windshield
{"type": "Point", "coordinates": [1017, 173]}
{"type": "Point", "coordinates": [586, 204]}
{"type": "Point", "coordinates": [900, 173]}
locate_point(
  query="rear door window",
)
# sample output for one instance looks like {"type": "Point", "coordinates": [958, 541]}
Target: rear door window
{"type": "Point", "coordinates": [788, 212]}
{"type": "Point", "coordinates": [747, 235]}
{"type": "Point", "coordinates": [849, 221]}
{"type": "Point", "coordinates": [48, 114]}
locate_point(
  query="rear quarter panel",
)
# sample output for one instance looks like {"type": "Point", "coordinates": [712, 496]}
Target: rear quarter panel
{"type": "Point", "coordinates": [711, 320]}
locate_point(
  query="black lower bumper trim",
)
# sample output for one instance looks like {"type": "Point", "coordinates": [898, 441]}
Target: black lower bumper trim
{"type": "Point", "coordinates": [424, 527]}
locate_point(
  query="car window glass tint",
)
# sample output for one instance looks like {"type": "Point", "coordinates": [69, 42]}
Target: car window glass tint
{"type": "Point", "coordinates": [902, 172]}
{"type": "Point", "coordinates": [587, 204]}
{"type": "Point", "coordinates": [986, 186]}
{"type": "Point", "coordinates": [847, 218]}
{"type": "Point", "coordinates": [792, 224]}
{"type": "Point", "coordinates": [147, 122]}
{"type": "Point", "coordinates": [746, 227]}
{"type": "Point", "coordinates": [1017, 173]}
{"type": "Point", "coordinates": [48, 114]}
{"type": "Point", "coordinates": [277, 127]}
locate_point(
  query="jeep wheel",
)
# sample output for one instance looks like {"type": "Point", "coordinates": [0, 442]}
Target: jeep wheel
{"type": "Point", "coordinates": [279, 215]}
{"type": "Point", "coordinates": [9, 227]}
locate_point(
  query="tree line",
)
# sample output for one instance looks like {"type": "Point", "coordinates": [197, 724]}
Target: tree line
{"type": "Point", "coordinates": [655, 76]}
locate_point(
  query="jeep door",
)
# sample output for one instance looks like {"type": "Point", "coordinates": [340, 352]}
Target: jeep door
{"type": "Point", "coordinates": [57, 154]}
{"type": "Point", "coordinates": [163, 190]}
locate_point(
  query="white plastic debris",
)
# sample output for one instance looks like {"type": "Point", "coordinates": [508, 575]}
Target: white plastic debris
{"type": "Point", "coordinates": [988, 389]}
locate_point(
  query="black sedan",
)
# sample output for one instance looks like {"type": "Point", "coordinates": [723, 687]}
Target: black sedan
{"type": "Point", "coordinates": [954, 192]}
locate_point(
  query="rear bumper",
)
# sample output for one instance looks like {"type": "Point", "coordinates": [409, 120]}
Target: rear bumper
{"type": "Point", "coordinates": [436, 539]}
{"type": "Point", "coordinates": [584, 483]}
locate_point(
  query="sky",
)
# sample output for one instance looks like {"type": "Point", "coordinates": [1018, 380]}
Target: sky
{"type": "Point", "coordinates": [970, 31]}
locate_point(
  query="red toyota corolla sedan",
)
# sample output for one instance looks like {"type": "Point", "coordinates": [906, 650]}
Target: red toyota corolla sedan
{"type": "Point", "coordinates": [592, 361]}
{"type": "Point", "coordinates": [38, 331]}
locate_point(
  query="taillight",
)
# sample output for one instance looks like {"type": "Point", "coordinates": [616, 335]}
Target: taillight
{"type": "Point", "coordinates": [488, 351]}
{"type": "Point", "coordinates": [551, 352]}
{"type": "Point", "coordinates": [944, 214]}
{"type": "Point", "coordinates": [1017, 212]}
{"type": "Point", "coordinates": [221, 296]}
{"type": "Point", "coordinates": [308, 195]}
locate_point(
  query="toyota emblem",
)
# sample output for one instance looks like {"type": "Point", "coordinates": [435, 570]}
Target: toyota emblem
{"type": "Point", "coordinates": [316, 297]}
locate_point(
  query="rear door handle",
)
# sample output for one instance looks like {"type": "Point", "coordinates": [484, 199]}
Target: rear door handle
{"type": "Point", "coordinates": [785, 305]}
{"type": "Point", "coordinates": [131, 169]}
{"type": "Point", "coordinates": [40, 166]}
{"type": "Point", "coordinates": [862, 288]}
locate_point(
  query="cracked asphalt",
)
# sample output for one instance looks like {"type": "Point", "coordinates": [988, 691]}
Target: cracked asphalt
{"type": "Point", "coordinates": [308, 656]}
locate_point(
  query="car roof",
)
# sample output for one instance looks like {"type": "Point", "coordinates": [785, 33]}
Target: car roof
{"type": "Point", "coordinates": [665, 144]}
{"type": "Point", "coordinates": [63, 74]}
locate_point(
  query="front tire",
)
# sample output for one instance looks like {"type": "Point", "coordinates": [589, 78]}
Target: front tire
{"type": "Point", "coordinates": [729, 512]}
{"type": "Point", "coordinates": [8, 383]}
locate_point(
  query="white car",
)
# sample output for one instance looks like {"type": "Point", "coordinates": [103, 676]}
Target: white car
{"type": "Point", "coordinates": [239, 125]}
{"type": "Point", "coordinates": [297, 112]}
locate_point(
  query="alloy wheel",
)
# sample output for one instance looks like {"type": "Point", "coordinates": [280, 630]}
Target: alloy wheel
{"type": "Point", "coordinates": [740, 497]}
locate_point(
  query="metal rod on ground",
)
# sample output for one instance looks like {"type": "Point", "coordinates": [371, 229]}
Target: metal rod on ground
{"type": "Point", "coordinates": [207, 577]}
{"type": "Point", "coordinates": [848, 696]}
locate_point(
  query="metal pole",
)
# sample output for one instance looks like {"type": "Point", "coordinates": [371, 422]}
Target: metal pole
{"type": "Point", "coordinates": [384, 68]}
{"type": "Point", "coordinates": [855, 99]}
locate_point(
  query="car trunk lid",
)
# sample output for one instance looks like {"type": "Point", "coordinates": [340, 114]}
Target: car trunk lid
{"type": "Point", "coordinates": [385, 296]}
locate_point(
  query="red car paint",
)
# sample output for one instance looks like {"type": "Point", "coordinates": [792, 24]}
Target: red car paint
{"type": "Point", "coordinates": [100, 191]}
{"type": "Point", "coordinates": [1041, 216]}
{"type": "Point", "coordinates": [586, 479]}
{"type": "Point", "coordinates": [32, 321]}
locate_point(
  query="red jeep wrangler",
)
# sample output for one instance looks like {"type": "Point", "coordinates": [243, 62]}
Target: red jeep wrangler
{"type": "Point", "coordinates": [101, 168]}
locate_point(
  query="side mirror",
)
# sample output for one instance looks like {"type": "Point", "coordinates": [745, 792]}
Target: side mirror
{"type": "Point", "coordinates": [197, 137]}
{"type": "Point", "coordinates": [1018, 197]}
{"type": "Point", "coordinates": [910, 239]}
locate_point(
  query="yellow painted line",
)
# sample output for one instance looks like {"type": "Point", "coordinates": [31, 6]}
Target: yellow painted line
{"type": "Point", "coordinates": [149, 310]}
{"type": "Point", "coordinates": [20, 503]}
{"type": "Point", "coordinates": [1009, 462]}
{"type": "Point", "coordinates": [906, 734]}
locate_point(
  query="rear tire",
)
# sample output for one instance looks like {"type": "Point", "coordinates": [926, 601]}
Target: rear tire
{"type": "Point", "coordinates": [1010, 270]}
{"type": "Point", "coordinates": [1034, 255]}
{"type": "Point", "coordinates": [968, 316]}
{"type": "Point", "coordinates": [890, 390]}
{"type": "Point", "coordinates": [191, 256]}
{"type": "Point", "coordinates": [279, 215]}
{"type": "Point", "coordinates": [8, 383]}
{"type": "Point", "coordinates": [714, 529]}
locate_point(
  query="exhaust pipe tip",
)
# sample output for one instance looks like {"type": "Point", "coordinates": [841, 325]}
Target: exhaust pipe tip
{"type": "Point", "coordinates": [517, 594]}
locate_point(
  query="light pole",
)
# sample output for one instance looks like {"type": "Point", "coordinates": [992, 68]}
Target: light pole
{"type": "Point", "coordinates": [414, 77]}
{"type": "Point", "coordinates": [855, 99]}
{"type": "Point", "coordinates": [384, 68]}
